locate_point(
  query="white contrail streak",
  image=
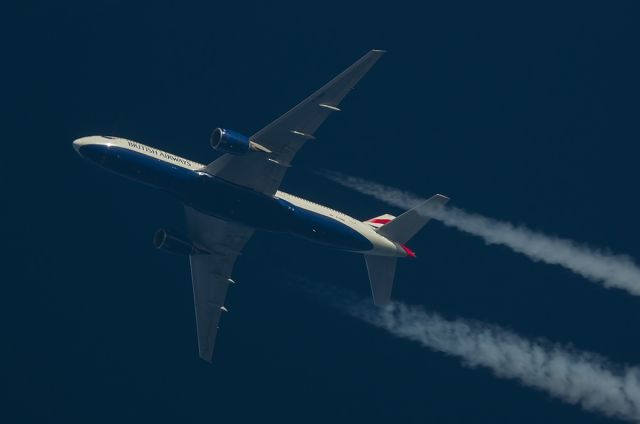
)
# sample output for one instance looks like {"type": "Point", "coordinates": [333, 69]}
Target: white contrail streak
{"type": "Point", "coordinates": [609, 269]}
{"type": "Point", "coordinates": [575, 377]}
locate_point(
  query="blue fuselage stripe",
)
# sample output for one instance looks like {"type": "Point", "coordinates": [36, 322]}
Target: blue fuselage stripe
{"type": "Point", "coordinates": [227, 201]}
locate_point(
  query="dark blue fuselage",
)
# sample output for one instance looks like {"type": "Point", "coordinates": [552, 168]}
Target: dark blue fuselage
{"type": "Point", "coordinates": [219, 198]}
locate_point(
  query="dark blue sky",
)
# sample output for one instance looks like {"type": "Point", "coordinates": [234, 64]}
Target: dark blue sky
{"type": "Point", "coordinates": [526, 113]}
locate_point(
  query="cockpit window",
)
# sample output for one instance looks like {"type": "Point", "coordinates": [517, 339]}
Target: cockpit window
{"type": "Point", "coordinates": [109, 137]}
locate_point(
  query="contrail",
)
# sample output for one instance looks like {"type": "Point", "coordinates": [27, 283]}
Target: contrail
{"type": "Point", "coordinates": [575, 377]}
{"type": "Point", "coordinates": [611, 270]}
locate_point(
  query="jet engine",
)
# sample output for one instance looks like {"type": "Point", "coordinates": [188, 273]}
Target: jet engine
{"type": "Point", "coordinates": [228, 141]}
{"type": "Point", "coordinates": [174, 244]}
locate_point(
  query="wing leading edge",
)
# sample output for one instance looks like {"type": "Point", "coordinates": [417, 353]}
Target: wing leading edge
{"type": "Point", "coordinates": [287, 134]}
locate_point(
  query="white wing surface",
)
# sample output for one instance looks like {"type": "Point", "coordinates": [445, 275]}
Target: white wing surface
{"type": "Point", "coordinates": [287, 134]}
{"type": "Point", "coordinates": [211, 272]}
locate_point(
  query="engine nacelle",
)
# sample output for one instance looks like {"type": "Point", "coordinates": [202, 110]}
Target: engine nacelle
{"type": "Point", "coordinates": [174, 244]}
{"type": "Point", "coordinates": [233, 142]}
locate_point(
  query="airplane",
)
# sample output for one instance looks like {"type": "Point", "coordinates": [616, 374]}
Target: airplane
{"type": "Point", "coordinates": [228, 199]}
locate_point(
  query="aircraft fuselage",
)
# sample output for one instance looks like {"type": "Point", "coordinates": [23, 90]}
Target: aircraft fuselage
{"type": "Point", "coordinates": [189, 182]}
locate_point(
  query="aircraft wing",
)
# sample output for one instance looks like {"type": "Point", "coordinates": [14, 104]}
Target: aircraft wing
{"type": "Point", "coordinates": [211, 272]}
{"type": "Point", "coordinates": [287, 134]}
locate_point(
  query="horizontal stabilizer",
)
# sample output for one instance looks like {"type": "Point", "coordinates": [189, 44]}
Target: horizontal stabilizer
{"type": "Point", "coordinates": [381, 271]}
{"type": "Point", "coordinates": [409, 223]}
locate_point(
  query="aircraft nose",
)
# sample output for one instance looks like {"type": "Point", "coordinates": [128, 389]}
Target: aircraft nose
{"type": "Point", "coordinates": [77, 144]}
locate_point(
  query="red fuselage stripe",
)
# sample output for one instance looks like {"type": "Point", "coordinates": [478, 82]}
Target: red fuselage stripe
{"type": "Point", "coordinates": [379, 221]}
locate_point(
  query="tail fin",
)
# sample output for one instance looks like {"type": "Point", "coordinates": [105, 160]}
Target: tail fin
{"type": "Point", "coordinates": [381, 269]}
{"type": "Point", "coordinates": [409, 223]}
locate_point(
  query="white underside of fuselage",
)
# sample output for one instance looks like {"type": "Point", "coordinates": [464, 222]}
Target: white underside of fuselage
{"type": "Point", "coordinates": [381, 245]}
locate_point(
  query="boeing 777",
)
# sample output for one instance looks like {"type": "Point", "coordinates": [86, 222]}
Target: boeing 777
{"type": "Point", "coordinates": [238, 193]}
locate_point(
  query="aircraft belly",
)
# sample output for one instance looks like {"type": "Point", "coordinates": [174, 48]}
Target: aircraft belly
{"type": "Point", "coordinates": [330, 232]}
{"type": "Point", "coordinates": [230, 202]}
{"type": "Point", "coordinates": [234, 203]}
